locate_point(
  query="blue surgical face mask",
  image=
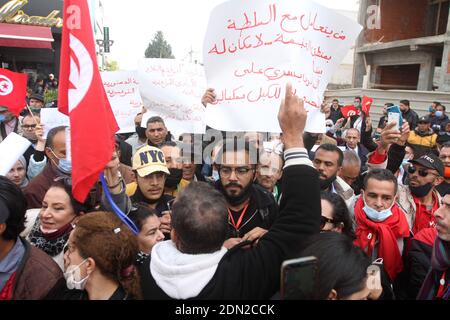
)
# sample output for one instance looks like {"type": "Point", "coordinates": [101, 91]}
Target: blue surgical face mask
{"type": "Point", "coordinates": [64, 165]}
{"type": "Point", "coordinates": [439, 114]}
{"type": "Point", "coordinates": [2, 118]}
{"type": "Point", "coordinates": [430, 109]}
{"type": "Point", "coordinates": [377, 216]}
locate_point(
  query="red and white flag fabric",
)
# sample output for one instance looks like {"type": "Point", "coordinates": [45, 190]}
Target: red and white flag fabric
{"type": "Point", "coordinates": [13, 90]}
{"type": "Point", "coordinates": [83, 97]}
{"type": "Point", "coordinates": [366, 104]}
{"type": "Point", "coordinates": [349, 111]}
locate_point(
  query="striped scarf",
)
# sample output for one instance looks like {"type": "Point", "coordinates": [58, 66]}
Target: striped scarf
{"type": "Point", "coordinates": [440, 263]}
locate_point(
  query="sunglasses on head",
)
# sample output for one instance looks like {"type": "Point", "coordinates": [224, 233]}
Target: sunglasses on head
{"type": "Point", "coordinates": [421, 171]}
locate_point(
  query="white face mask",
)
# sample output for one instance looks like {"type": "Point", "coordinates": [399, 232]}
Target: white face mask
{"type": "Point", "coordinates": [73, 275]}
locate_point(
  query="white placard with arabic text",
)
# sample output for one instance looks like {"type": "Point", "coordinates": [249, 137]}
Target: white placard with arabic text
{"type": "Point", "coordinates": [253, 48]}
{"type": "Point", "coordinates": [52, 118]}
{"type": "Point", "coordinates": [173, 90]}
{"type": "Point", "coordinates": [122, 89]}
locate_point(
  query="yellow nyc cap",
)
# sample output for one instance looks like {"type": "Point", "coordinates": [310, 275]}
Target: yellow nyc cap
{"type": "Point", "coordinates": [148, 160]}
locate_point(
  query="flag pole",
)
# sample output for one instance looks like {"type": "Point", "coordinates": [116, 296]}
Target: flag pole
{"type": "Point", "coordinates": [32, 115]}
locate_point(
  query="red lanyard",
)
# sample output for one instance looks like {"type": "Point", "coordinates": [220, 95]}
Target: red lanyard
{"type": "Point", "coordinates": [236, 225]}
{"type": "Point", "coordinates": [442, 286]}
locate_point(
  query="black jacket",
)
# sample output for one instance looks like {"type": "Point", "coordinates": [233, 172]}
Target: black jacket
{"type": "Point", "coordinates": [412, 117]}
{"type": "Point", "coordinates": [255, 273]}
{"type": "Point", "coordinates": [443, 188]}
{"type": "Point", "coordinates": [161, 205]}
{"type": "Point", "coordinates": [417, 262]}
{"type": "Point", "coordinates": [261, 212]}
{"type": "Point", "coordinates": [335, 115]}
{"type": "Point", "coordinates": [119, 294]}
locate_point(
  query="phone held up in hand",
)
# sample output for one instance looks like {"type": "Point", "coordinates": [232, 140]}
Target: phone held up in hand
{"type": "Point", "coordinates": [394, 114]}
{"type": "Point", "coordinates": [298, 278]}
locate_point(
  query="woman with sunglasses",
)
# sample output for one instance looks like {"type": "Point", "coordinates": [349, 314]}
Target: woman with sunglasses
{"type": "Point", "coordinates": [335, 215]}
{"type": "Point", "coordinates": [49, 228]}
{"type": "Point", "coordinates": [148, 223]}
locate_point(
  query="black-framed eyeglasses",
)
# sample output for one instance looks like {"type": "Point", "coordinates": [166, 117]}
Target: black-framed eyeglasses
{"type": "Point", "coordinates": [27, 127]}
{"type": "Point", "coordinates": [324, 221]}
{"type": "Point", "coordinates": [421, 171]}
{"type": "Point", "coordinates": [239, 171]}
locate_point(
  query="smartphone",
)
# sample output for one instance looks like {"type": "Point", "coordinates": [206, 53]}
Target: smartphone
{"type": "Point", "coordinates": [395, 114]}
{"type": "Point", "coordinates": [298, 278]}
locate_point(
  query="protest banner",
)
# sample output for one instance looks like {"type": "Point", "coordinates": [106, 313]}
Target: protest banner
{"type": "Point", "coordinates": [253, 48]}
{"type": "Point", "coordinates": [10, 151]}
{"type": "Point", "coordinates": [173, 90]}
{"type": "Point", "coordinates": [122, 89]}
{"type": "Point", "coordinates": [52, 118]}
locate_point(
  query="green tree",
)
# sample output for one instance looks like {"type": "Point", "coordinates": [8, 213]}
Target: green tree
{"type": "Point", "coordinates": [159, 48]}
{"type": "Point", "coordinates": [111, 66]}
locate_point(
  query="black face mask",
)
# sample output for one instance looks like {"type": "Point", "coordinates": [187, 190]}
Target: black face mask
{"type": "Point", "coordinates": [421, 191]}
{"type": "Point", "coordinates": [326, 184]}
{"type": "Point", "coordinates": [174, 178]}
{"type": "Point", "coordinates": [238, 199]}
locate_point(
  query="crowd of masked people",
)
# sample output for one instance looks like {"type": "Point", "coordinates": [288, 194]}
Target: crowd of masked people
{"type": "Point", "coordinates": [215, 218]}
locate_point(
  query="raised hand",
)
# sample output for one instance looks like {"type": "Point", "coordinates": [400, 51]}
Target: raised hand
{"type": "Point", "coordinates": [292, 118]}
{"type": "Point", "coordinates": [208, 97]}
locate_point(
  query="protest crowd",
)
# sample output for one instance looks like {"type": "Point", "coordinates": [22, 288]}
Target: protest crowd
{"type": "Point", "coordinates": [217, 215]}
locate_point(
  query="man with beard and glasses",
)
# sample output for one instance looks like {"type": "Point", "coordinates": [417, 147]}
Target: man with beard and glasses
{"type": "Point", "coordinates": [420, 199]}
{"type": "Point", "coordinates": [251, 209]}
{"type": "Point", "coordinates": [328, 162]}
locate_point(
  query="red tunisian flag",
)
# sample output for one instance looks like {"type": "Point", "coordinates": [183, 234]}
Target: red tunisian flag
{"type": "Point", "coordinates": [13, 90]}
{"type": "Point", "coordinates": [82, 97]}
{"type": "Point", "coordinates": [366, 104]}
{"type": "Point", "coordinates": [349, 111]}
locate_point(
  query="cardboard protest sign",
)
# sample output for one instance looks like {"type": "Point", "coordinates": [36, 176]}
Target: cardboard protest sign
{"type": "Point", "coordinates": [10, 151]}
{"type": "Point", "coordinates": [122, 89]}
{"type": "Point", "coordinates": [173, 90]}
{"type": "Point", "coordinates": [52, 118]}
{"type": "Point", "coordinates": [253, 48]}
